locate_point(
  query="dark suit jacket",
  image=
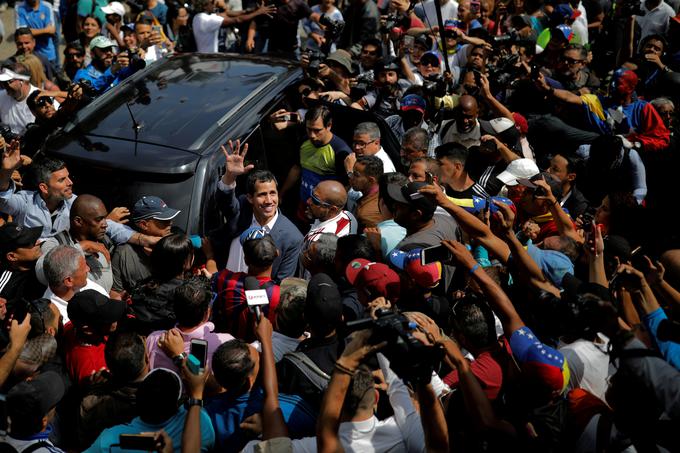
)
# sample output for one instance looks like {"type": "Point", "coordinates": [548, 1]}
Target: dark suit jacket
{"type": "Point", "coordinates": [288, 239]}
{"type": "Point", "coordinates": [576, 204]}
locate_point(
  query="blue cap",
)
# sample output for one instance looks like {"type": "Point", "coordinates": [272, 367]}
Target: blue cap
{"type": "Point", "coordinates": [566, 31]}
{"type": "Point", "coordinates": [253, 233]}
{"type": "Point", "coordinates": [554, 264]}
{"type": "Point", "coordinates": [151, 207]}
{"type": "Point", "coordinates": [413, 102]}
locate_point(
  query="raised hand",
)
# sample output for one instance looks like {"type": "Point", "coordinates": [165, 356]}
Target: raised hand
{"type": "Point", "coordinates": [505, 218]}
{"type": "Point", "coordinates": [235, 158]}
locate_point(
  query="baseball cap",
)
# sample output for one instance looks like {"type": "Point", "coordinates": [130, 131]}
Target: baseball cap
{"type": "Point", "coordinates": [376, 279]}
{"type": "Point", "coordinates": [413, 102]}
{"type": "Point", "coordinates": [518, 168]}
{"type": "Point", "coordinates": [453, 24]}
{"type": "Point", "coordinates": [151, 207]}
{"type": "Point", "coordinates": [114, 8]}
{"type": "Point", "coordinates": [92, 307]}
{"type": "Point", "coordinates": [432, 57]}
{"type": "Point", "coordinates": [554, 183]}
{"type": "Point", "coordinates": [253, 233]}
{"type": "Point", "coordinates": [554, 264]}
{"type": "Point", "coordinates": [562, 13]}
{"type": "Point", "coordinates": [504, 129]}
{"type": "Point", "coordinates": [158, 395]}
{"type": "Point", "coordinates": [14, 236]}
{"type": "Point", "coordinates": [7, 74]}
{"type": "Point", "coordinates": [565, 30]}
{"type": "Point", "coordinates": [538, 361]}
{"type": "Point", "coordinates": [427, 276]}
{"type": "Point", "coordinates": [423, 41]}
{"type": "Point", "coordinates": [408, 194]}
{"type": "Point", "coordinates": [323, 307]}
{"type": "Point", "coordinates": [386, 65]}
{"type": "Point", "coordinates": [101, 42]}
{"type": "Point", "coordinates": [343, 58]}
{"type": "Point", "coordinates": [29, 400]}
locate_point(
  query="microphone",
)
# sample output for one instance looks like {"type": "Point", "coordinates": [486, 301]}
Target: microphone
{"type": "Point", "coordinates": [255, 296]}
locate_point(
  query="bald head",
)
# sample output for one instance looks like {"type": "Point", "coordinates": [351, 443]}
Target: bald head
{"type": "Point", "coordinates": [467, 102]}
{"type": "Point", "coordinates": [333, 192]}
{"type": "Point", "coordinates": [88, 218]}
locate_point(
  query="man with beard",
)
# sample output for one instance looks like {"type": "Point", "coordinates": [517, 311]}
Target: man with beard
{"type": "Point", "coordinates": [384, 100]}
{"type": "Point", "coordinates": [573, 73]}
{"type": "Point", "coordinates": [322, 156]}
{"type": "Point", "coordinates": [104, 73]}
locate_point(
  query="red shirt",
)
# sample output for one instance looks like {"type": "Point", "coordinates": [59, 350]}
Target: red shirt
{"type": "Point", "coordinates": [82, 359]}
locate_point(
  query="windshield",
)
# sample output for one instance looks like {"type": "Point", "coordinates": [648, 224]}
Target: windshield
{"type": "Point", "coordinates": [178, 102]}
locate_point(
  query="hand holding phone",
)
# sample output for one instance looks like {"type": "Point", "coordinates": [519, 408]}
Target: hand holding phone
{"type": "Point", "coordinates": [199, 349]}
{"type": "Point", "coordinates": [436, 253]}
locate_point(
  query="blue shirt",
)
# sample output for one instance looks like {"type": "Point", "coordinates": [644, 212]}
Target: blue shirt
{"type": "Point", "coordinates": [30, 210]}
{"type": "Point", "coordinates": [102, 81]}
{"type": "Point", "coordinates": [228, 411]}
{"type": "Point", "coordinates": [174, 427]}
{"type": "Point", "coordinates": [160, 11]}
{"type": "Point", "coordinates": [26, 16]}
{"type": "Point", "coordinates": [669, 350]}
{"type": "Point", "coordinates": [391, 234]}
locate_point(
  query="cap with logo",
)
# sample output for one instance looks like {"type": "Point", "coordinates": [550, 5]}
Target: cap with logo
{"type": "Point", "coordinates": [253, 233]}
{"type": "Point", "coordinates": [150, 207]}
{"type": "Point", "coordinates": [14, 236]}
{"type": "Point", "coordinates": [427, 276]}
{"type": "Point", "coordinates": [413, 102]}
{"type": "Point", "coordinates": [375, 279]}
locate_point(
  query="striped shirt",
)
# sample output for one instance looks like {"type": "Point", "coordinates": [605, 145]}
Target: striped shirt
{"type": "Point", "coordinates": [341, 225]}
{"type": "Point", "coordinates": [230, 310]}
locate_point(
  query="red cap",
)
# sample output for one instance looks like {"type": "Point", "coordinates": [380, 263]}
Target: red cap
{"type": "Point", "coordinates": [376, 279]}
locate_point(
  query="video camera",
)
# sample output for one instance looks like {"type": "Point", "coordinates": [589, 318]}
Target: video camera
{"type": "Point", "coordinates": [435, 86]}
{"type": "Point", "coordinates": [315, 58]}
{"type": "Point", "coordinates": [7, 134]}
{"type": "Point", "coordinates": [365, 81]}
{"type": "Point", "coordinates": [413, 361]}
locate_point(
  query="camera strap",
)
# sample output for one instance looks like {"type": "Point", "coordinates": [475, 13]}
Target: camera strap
{"type": "Point", "coordinates": [309, 369]}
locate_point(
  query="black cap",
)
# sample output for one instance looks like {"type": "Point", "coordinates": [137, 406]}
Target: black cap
{"type": "Point", "coordinates": [32, 399]}
{"type": "Point", "coordinates": [90, 307]}
{"type": "Point", "coordinates": [409, 194]}
{"type": "Point", "coordinates": [424, 40]}
{"type": "Point", "coordinates": [389, 64]}
{"type": "Point", "coordinates": [14, 236]}
{"type": "Point", "coordinates": [323, 309]}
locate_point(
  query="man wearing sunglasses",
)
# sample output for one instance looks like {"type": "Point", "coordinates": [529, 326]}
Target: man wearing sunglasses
{"type": "Point", "coordinates": [325, 208]}
{"type": "Point", "coordinates": [15, 81]}
{"type": "Point", "coordinates": [572, 71]}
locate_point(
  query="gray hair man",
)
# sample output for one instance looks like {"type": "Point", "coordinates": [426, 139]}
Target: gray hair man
{"type": "Point", "coordinates": [66, 273]}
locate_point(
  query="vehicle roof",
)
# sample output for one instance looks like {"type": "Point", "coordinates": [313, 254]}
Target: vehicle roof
{"type": "Point", "coordinates": [182, 101]}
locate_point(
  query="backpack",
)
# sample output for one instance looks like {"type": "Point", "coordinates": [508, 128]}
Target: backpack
{"type": "Point", "coordinates": [151, 306]}
{"type": "Point", "coordinates": [309, 369]}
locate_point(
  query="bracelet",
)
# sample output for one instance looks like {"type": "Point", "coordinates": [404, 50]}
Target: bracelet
{"type": "Point", "coordinates": [194, 402]}
{"type": "Point", "coordinates": [343, 369]}
{"type": "Point", "coordinates": [179, 359]}
{"type": "Point", "coordinates": [474, 268]}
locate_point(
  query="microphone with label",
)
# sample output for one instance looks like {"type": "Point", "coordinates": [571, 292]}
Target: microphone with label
{"type": "Point", "coordinates": [255, 295]}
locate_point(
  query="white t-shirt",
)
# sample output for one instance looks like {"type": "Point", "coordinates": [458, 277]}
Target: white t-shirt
{"type": "Point", "coordinates": [62, 305]}
{"type": "Point", "coordinates": [589, 365]}
{"type": "Point", "coordinates": [427, 12]}
{"type": "Point", "coordinates": [206, 28]}
{"type": "Point", "coordinates": [16, 114]}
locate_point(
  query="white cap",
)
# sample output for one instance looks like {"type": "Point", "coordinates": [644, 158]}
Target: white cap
{"type": "Point", "coordinates": [518, 169]}
{"type": "Point", "coordinates": [114, 8]}
{"type": "Point", "coordinates": [7, 74]}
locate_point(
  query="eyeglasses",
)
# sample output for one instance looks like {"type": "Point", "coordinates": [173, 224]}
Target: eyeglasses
{"type": "Point", "coordinates": [369, 52]}
{"type": "Point", "coordinates": [571, 61]}
{"type": "Point", "coordinates": [318, 202]}
{"type": "Point", "coordinates": [305, 92]}
{"type": "Point", "coordinates": [74, 55]}
{"type": "Point", "coordinates": [362, 145]}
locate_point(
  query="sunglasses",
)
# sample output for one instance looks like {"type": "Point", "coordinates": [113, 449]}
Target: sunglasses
{"type": "Point", "coordinates": [571, 61]}
{"type": "Point", "coordinates": [43, 101]}
{"type": "Point", "coordinates": [318, 202]}
{"type": "Point", "coordinates": [74, 55]}
{"type": "Point", "coordinates": [305, 92]}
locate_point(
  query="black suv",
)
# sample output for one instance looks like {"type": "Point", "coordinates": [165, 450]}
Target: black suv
{"type": "Point", "coordinates": [159, 132]}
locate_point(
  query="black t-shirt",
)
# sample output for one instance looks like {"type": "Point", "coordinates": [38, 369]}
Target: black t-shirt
{"type": "Point", "coordinates": [474, 190]}
{"type": "Point", "coordinates": [283, 26]}
{"type": "Point", "coordinates": [485, 172]}
{"type": "Point", "coordinates": [17, 284]}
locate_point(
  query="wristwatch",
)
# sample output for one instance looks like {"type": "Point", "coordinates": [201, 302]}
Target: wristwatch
{"type": "Point", "coordinates": [194, 402]}
{"type": "Point", "coordinates": [178, 360]}
{"type": "Point", "coordinates": [349, 174]}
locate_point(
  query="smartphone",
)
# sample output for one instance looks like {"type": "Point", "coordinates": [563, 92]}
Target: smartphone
{"type": "Point", "coordinates": [142, 441]}
{"type": "Point", "coordinates": [156, 28]}
{"type": "Point", "coordinates": [535, 72]}
{"type": "Point", "coordinates": [437, 253]}
{"type": "Point", "coordinates": [3, 416]}
{"type": "Point", "coordinates": [475, 6]}
{"type": "Point", "coordinates": [199, 349]}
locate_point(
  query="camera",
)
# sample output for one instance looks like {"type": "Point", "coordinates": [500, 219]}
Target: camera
{"type": "Point", "coordinates": [136, 61]}
{"type": "Point", "coordinates": [435, 86]}
{"type": "Point", "coordinates": [413, 361]}
{"type": "Point", "coordinates": [315, 58]}
{"type": "Point", "coordinates": [631, 8]}
{"type": "Point", "coordinates": [333, 28]}
{"type": "Point", "coordinates": [504, 70]}
{"type": "Point", "coordinates": [87, 88]}
{"type": "Point", "coordinates": [364, 83]}
{"type": "Point", "coordinates": [7, 134]}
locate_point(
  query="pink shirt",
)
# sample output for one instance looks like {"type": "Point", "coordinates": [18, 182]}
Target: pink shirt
{"type": "Point", "coordinates": [158, 358]}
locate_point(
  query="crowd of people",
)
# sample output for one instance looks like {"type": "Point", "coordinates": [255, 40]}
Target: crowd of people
{"type": "Point", "coordinates": [508, 279]}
